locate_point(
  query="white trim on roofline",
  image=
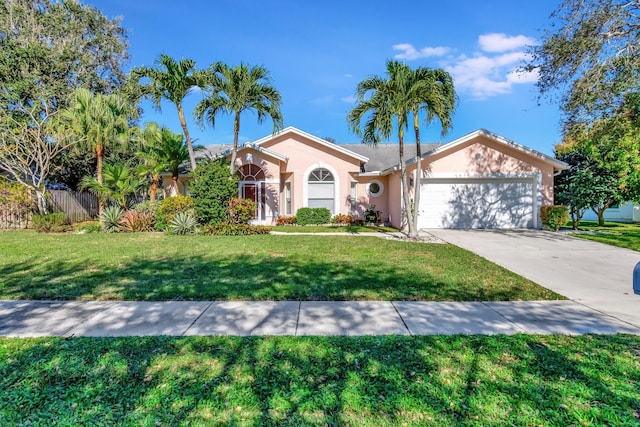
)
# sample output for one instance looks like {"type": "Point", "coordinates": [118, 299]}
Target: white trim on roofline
{"type": "Point", "coordinates": [253, 146]}
{"type": "Point", "coordinates": [557, 164]}
{"type": "Point", "coordinates": [314, 139]}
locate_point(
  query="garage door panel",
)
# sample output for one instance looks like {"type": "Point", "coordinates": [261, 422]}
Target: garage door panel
{"type": "Point", "coordinates": [477, 203]}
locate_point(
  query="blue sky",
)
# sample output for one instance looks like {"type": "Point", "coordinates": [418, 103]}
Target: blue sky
{"type": "Point", "coordinates": [318, 51]}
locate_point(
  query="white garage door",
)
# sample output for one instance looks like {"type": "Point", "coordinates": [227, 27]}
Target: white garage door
{"type": "Point", "coordinates": [477, 203]}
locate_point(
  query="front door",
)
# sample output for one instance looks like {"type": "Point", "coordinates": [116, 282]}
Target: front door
{"type": "Point", "coordinates": [253, 190]}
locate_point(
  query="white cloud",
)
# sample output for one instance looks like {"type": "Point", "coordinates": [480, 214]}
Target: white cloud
{"type": "Point", "coordinates": [484, 75]}
{"type": "Point", "coordinates": [348, 75]}
{"type": "Point", "coordinates": [492, 71]}
{"type": "Point", "coordinates": [410, 53]}
{"type": "Point", "coordinates": [500, 42]}
{"type": "Point", "coordinates": [348, 99]}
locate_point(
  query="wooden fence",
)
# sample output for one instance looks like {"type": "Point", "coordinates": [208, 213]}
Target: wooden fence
{"type": "Point", "coordinates": [12, 217]}
{"type": "Point", "coordinates": [78, 206]}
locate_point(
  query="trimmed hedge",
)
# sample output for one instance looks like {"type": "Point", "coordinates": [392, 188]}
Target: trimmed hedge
{"type": "Point", "coordinates": [553, 217]}
{"type": "Point", "coordinates": [57, 222]}
{"type": "Point", "coordinates": [170, 207]}
{"type": "Point", "coordinates": [313, 216]}
{"type": "Point", "coordinates": [211, 189]}
{"type": "Point", "coordinates": [232, 229]}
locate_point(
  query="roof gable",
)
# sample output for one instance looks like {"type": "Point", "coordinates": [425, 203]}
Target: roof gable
{"type": "Point", "coordinates": [557, 164]}
{"type": "Point", "coordinates": [319, 141]}
{"type": "Point", "coordinates": [456, 144]}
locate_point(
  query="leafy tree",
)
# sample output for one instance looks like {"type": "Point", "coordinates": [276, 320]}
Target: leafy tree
{"type": "Point", "coordinates": [162, 150]}
{"type": "Point", "coordinates": [605, 159]}
{"type": "Point", "coordinates": [51, 47]}
{"type": "Point", "coordinates": [385, 104]}
{"type": "Point", "coordinates": [120, 183]}
{"type": "Point", "coordinates": [171, 80]}
{"type": "Point", "coordinates": [234, 90]}
{"type": "Point", "coordinates": [212, 188]}
{"type": "Point", "coordinates": [28, 146]}
{"type": "Point", "coordinates": [103, 120]}
{"type": "Point", "coordinates": [433, 93]}
{"type": "Point", "coordinates": [590, 55]}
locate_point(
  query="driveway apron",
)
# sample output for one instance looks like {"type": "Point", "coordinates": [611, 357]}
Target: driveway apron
{"type": "Point", "coordinates": [591, 273]}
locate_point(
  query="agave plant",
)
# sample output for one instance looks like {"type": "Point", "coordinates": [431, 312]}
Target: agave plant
{"type": "Point", "coordinates": [184, 223]}
{"type": "Point", "coordinates": [110, 219]}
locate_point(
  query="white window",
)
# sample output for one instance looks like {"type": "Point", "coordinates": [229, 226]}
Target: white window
{"type": "Point", "coordinates": [321, 189]}
{"type": "Point", "coordinates": [354, 197]}
{"type": "Point", "coordinates": [375, 188]}
{"type": "Point", "coordinates": [287, 198]}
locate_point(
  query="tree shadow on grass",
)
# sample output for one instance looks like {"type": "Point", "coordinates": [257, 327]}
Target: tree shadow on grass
{"type": "Point", "coordinates": [390, 380]}
{"type": "Point", "coordinates": [239, 277]}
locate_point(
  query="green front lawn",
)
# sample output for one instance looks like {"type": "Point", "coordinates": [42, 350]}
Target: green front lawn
{"type": "Point", "coordinates": [154, 266]}
{"type": "Point", "coordinates": [612, 233]}
{"type": "Point", "coordinates": [333, 229]}
{"type": "Point", "coordinates": [360, 381]}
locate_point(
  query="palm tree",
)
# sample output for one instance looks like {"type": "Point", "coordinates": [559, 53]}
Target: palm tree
{"type": "Point", "coordinates": [433, 93]}
{"type": "Point", "coordinates": [119, 184]}
{"type": "Point", "coordinates": [386, 104]}
{"type": "Point", "coordinates": [172, 80]}
{"type": "Point", "coordinates": [102, 121]}
{"type": "Point", "coordinates": [162, 150]}
{"type": "Point", "coordinates": [234, 90]}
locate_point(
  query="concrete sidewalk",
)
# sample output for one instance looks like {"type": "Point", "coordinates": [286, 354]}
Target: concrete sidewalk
{"type": "Point", "coordinates": [180, 318]}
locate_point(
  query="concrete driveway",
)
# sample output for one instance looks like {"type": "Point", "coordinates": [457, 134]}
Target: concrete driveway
{"type": "Point", "coordinates": [591, 273]}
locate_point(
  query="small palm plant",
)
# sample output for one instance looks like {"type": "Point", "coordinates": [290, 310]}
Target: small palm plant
{"type": "Point", "coordinates": [120, 183]}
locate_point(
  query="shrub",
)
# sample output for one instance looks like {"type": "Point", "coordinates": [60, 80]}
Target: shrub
{"type": "Point", "coordinates": [170, 207]}
{"type": "Point", "coordinates": [241, 211]}
{"type": "Point", "coordinates": [212, 188]}
{"type": "Point", "coordinates": [88, 227]}
{"type": "Point", "coordinates": [345, 219]}
{"type": "Point", "coordinates": [134, 221]}
{"type": "Point", "coordinates": [110, 219]}
{"type": "Point", "coordinates": [184, 223]}
{"type": "Point", "coordinates": [553, 217]}
{"type": "Point", "coordinates": [372, 215]}
{"type": "Point", "coordinates": [231, 229]}
{"type": "Point", "coordinates": [147, 206]}
{"type": "Point", "coordinates": [315, 216]}
{"type": "Point", "coordinates": [51, 223]}
{"type": "Point", "coordinates": [286, 220]}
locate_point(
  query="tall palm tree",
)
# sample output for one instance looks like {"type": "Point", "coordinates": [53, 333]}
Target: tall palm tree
{"type": "Point", "coordinates": [162, 150]}
{"type": "Point", "coordinates": [172, 80]}
{"type": "Point", "coordinates": [234, 90]}
{"type": "Point", "coordinates": [432, 92]}
{"type": "Point", "coordinates": [102, 121]}
{"type": "Point", "coordinates": [119, 184]}
{"type": "Point", "coordinates": [385, 103]}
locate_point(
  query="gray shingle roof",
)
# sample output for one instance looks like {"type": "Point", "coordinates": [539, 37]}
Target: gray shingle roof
{"type": "Point", "coordinates": [384, 156]}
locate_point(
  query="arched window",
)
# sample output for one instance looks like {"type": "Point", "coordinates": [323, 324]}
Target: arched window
{"type": "Point", "coordinates": [250, 173]}
{"type": "Point", "coordinates": [321, 189]}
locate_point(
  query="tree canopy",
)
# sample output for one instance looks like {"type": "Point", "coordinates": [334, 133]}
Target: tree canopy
{"type": "Point", "coordinates": [590, 57]}
{"type": "Point", "coordinates": [235, 90]}
{"type": "Point", "coordinates": [50, 48]}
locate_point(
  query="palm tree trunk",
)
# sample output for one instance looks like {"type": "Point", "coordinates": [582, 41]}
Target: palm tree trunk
{"type": "Point", "coordinates": [155, 180]}
{"type": "Point", "coordinates": [174, 184]}
{"type": "Point", "coordinates": [183, 123]}
{"type": "Point", "coordinates": [406, 201]}
{"type": "Point", "coordinates": [418, 172]}
{"type": "Point", "coordinates": [99, 157]}
{"type": "Point", "coordinates": [234, 152]}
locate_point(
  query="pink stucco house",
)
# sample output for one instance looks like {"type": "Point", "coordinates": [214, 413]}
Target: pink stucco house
{"type": "Point", "coordinates": [481, 180]}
